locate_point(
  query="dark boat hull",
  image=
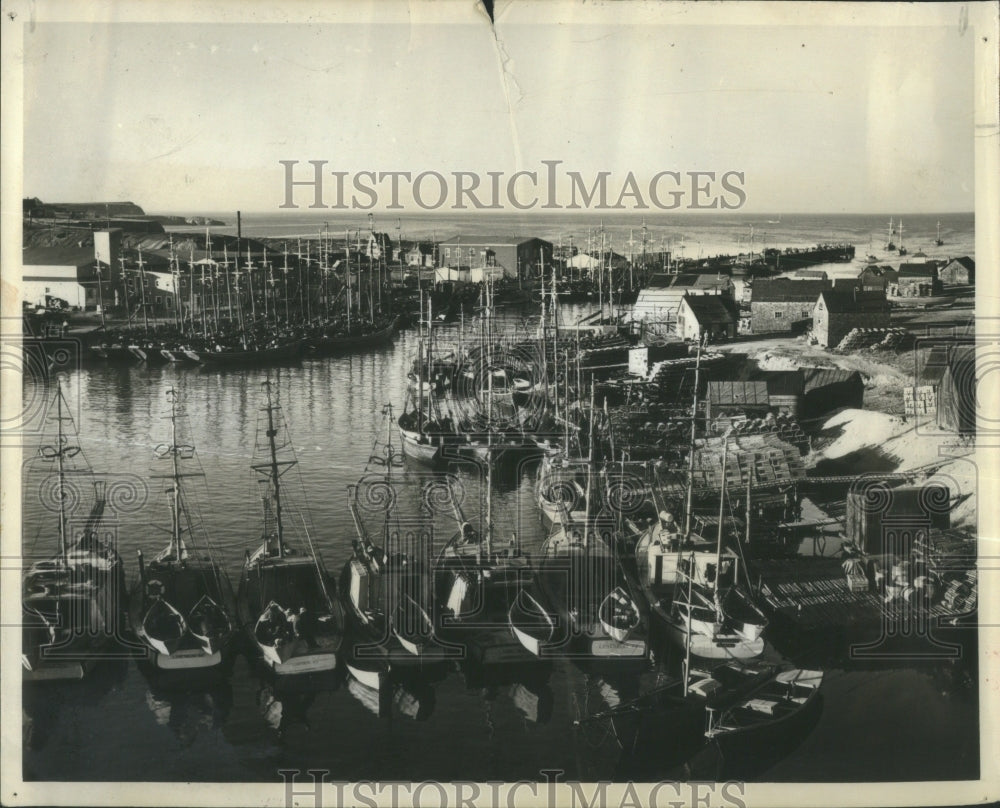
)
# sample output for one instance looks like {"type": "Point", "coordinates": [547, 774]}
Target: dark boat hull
{"type": "Point", "coordinates": [290, 352]}
{"type": "Point", "coordinates": [329, 344]}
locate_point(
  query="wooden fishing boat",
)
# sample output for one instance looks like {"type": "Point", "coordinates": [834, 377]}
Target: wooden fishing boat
{"type": "Point", "coordinates": [71, 602]}
{"type": "Point", "coordinates": [753, 706]}
{"type": "Point", "coordinates": [581, 601]}
{"type": "Point", "coordinates": [113, 352]}
{"type": "Point", "coordinates": [181, 604]}
{"type": "Point", "coordinates": [333, 343]}
{"type": "Point", "coordinates": [286, 601]}
{"type": "Point", "coordinates": [149, 353]}
{"type": "Point", "coordinates": [285, 352]}
{"type": "Point", "coordinates": [475, 586]}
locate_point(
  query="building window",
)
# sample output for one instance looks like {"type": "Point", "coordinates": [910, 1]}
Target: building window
{"type": "Point", "coordinates": [159, 300]}
{"type": "Point", "coordinates": [170, 302]}
{"type": "Point", "coordinates": [778, 315]}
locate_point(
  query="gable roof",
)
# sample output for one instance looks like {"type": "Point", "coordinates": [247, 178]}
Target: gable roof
{"type": "Point", "coordinates": [701, 281]}
{"type": "Point", "coordinates": [814, 378]}
{"type": "Point", "coordinates": [784, 382]}
{"type": "Point", "coordinates": [71, 256]}
{"type": "Point", "coordinates": [964, 260]}
{"type": "Point", "coordinates": [852, 300]}
{"type": "Point", "coordinates": [785, 290]}
{"type": "Point", "coordinates": [918, 270]}
{"type": "Point", "coordinates": [709, 308]}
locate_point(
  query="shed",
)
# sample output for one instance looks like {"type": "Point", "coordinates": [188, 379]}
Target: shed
{"type": "Point", "coordinates": [889, 520]}
{"type": "Point", "coordinates": [956, 395]}
{"type": "Point", "coordinates": [784, 390]}
{"type": "Point", "coordinates": [916, 280]}
{"type": "Point", "coordinates": [728, 397]}
{"type": "Point", "coordinates": [837, 312]}
{"type": "Point", "coordinates": [714, 316]}
{"type": "Point", "coordinates": [958, 272]}
{"type": "Point", "coordinates": [827, 389]}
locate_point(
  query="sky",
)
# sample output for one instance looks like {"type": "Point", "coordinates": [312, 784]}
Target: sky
{"type": "Point", "coordinates": [192, 117]}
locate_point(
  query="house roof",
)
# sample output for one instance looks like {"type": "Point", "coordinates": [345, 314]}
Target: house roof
{"type": "Point", "coordinates": [730, 392]}
{"type": "Point", "coordinates": [784, 382]}
{"type": "Point", "coordinates": [71, 256]}
{"type": "Point", "coordinates": [852, 300]}
{"type": "Point", "coordinates": [701, 281]}
{"type": "Point", "coordinates": [814, 378]}
{"type": "Point", "coordinates": [918, 270]}
{"type": "Point", "coordinates": [709, 309]}
{"type": "Point", "coordinates": [964, 260]}
{"type": "Point", "coordinates": [818, 274]}
{"type": "Point", "coordinates": [785, 290]}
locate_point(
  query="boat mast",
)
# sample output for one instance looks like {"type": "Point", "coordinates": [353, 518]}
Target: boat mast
{"type": "Point", "coordinates": [142, 292]}
{"type": "Point", "coordinates": [275, 471]}
{"type": "Point", "coordinates": [718, 543]}
{"type": "Point", "coordinates": [176, 510]}
{"type": "Point", "coordinates": [61, 472]}
{"type": "Point", "coordinates": [694, 415]}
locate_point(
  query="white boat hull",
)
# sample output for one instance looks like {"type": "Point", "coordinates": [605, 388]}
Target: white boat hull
{"type": "Point", "coordinates": [187, 660]}
{"type": "Point", "coordinates": [370, 679]}
{"type": "Point", "coordinates": [310, 663]}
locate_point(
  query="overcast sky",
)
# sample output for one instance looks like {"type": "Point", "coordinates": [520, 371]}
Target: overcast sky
{"type": "Point", "coordinates": [183, 117]}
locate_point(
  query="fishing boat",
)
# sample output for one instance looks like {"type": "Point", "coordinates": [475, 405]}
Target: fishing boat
{"type": "Point", "coordinates": [386, 588]}
{"type": "Point", "coordinates": [581, 600]}
{"type": "Point", "coordinates": [180, 607]}
{"type": "Point", "coordinates": [360, 335]}
{"type": "Point", "coordinates": [749, 706]}
{"type": "Point", "coordinates": [476, 583]}
{"type": "Point", "coordinates": [71, 602]}
{"type": "Point", "coordinates": [902, 249]}
{"type": "Point", "coordinates": [285, 351]}
{"type": "Point", "coordinates": [113, 351]}
{"type": "Point", "coordinates": [711, 613]}
{"type": "Point", "coordinates": [742, 708]}
{"type": "Point", "coordinates": [286, 601]}
{"type": "Point", "coordinates": [559, 488]}
{"type": "Point", "coordinates": [938, 240]}
{"type": "Point", "coordinates": [890, 245]}
{"type": "Point", "coordinates": [424, 432]}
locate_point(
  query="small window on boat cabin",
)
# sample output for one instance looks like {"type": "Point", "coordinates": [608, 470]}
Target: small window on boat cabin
{"type": "Point", "coordinates": [778, 315]}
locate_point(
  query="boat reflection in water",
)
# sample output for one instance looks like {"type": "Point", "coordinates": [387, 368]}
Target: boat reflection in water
{"type": "Point", "coordinates": [526, 686]}
{"type": "Point", "coordinates": [408, 693]}
{"type": "Point", "coordinates": [189, 713]}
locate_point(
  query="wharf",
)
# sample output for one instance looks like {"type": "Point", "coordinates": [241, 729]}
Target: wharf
{"type": "Point", "coordinates": [812, 593]}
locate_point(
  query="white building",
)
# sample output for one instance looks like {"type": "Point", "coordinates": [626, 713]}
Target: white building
{"type": "Point", "coordinates": [62, 273]}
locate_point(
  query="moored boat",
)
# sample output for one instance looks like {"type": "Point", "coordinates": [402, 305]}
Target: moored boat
{"type": "Point", "coordinates": [71, 602]}
{"type": "Point", "coordinates": [286, 601]}
{"type": "Point", "coordinates": [181, 604]}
